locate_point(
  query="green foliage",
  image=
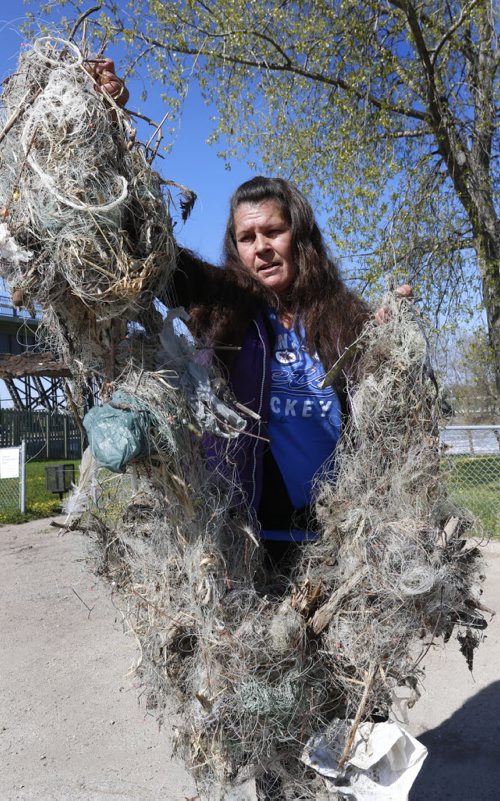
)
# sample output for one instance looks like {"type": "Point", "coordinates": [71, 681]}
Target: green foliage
{"type": "Point", "coordinates": [470, 377]}
{"type": "Point", "coordinates": [39, 502]}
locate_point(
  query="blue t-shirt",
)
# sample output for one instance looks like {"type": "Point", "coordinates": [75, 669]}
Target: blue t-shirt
{"type": "Point", "coordinates": [304, 422]}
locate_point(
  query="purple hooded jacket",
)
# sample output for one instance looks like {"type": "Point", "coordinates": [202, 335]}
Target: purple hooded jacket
{"type": "Point", "coordinates": [250, 381]}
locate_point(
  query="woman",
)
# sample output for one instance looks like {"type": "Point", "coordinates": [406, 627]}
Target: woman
{"type": "Point", "coordinates": [280, 299]}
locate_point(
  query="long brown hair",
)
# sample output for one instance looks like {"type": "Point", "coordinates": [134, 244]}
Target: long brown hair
{"type": "Point", "coordinates": [332, 315]}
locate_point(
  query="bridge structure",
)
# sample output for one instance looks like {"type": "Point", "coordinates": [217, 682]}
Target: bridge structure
{"type": "Point", "coordinates": [33, 379]}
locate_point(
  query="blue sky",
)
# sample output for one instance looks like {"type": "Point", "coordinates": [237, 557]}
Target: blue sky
{"type": "Point", "coordinates": [191, 161]}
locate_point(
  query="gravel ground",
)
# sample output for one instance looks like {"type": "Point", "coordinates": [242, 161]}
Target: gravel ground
{"type": "Point", "coordinates": [72, 728]}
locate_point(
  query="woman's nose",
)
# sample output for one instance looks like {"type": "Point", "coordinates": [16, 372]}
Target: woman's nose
{"type": "Point", "coordinates": [262, 243]}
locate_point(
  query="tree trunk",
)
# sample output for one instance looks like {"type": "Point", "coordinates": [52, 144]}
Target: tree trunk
{"type": "Point", "coordinates": [488, 254]}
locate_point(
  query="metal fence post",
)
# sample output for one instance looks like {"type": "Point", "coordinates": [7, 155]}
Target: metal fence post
{"type": "Point", "coordinates": [471, 441]}
{"type": "Point", "coordinates": [65, 435]}
{"type": "Point", "coordinates": [16, 436]}
{"type": "Point", "coordinates": [22, 477]}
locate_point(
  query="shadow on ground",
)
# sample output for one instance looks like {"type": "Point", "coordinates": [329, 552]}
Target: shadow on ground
{"type": "Point", "coordinates": [464, 753]}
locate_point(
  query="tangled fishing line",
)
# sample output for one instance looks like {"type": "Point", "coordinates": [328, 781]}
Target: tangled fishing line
{"type": "Point", "coordinates": [86, 211]}
{"type": "Point", "coordinates": [258, 663]}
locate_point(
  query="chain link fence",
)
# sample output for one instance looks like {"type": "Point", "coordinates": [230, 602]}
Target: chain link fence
{"type": "Point", "coordinates": [472, 468]}
{"type": "Point", "coordinates": [13, 479]}
{"type": "Point", "coordinates": [9, 494]}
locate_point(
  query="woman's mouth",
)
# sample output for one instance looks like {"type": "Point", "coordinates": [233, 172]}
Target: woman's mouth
{"type": "Point", "coordinates": [267, 268]}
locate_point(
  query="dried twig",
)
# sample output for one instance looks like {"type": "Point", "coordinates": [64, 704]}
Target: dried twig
{"type": "Point", "coordinates": [359, 714]}
{"type": "Point", "coordinates": [90, 608]}
{"type": "Point", "coordinates": [82, 19]}
{"type": "Point", "coordinates": [18, 113]}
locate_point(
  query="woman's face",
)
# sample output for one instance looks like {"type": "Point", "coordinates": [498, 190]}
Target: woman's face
{"type": "Point", "coordinates": [264, 243]}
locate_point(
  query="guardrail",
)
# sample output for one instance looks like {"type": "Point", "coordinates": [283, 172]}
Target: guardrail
{"type": "Point", "coordinates": [473, 439]}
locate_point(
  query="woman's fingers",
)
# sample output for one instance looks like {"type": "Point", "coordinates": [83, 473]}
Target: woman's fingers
{"type": "Point", "coordinates": [103, 70]}
{"type": "Point", "coordinates": [405, 291]}
{"type": "Point", "coordinates": [104, 65]}
{"type": "Point", "coordinates": [114, 87]}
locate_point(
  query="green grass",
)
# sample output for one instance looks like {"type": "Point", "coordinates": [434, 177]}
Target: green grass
{"type": "Point", "coordinates": [39, 502]}
{"type": "Point", "coordinates": [474, 484]}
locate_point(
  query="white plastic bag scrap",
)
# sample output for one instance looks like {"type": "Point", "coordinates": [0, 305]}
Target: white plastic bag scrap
{"type": "Point", "coordinates": [9, 249]}
{"type": "Point", "coordinates": [179, 355]}
{"type": "Point", "coordinates": [383, 765]}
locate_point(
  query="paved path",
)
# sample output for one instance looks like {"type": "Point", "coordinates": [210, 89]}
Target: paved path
{"type": "Point", "coordinates": [72, 729]}
{"type": "Point", "coordinates": [458, 718]}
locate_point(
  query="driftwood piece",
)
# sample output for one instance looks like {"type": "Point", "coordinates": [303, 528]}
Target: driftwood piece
{"type": "Point", "coordinates": [473, 603]}
{"type": "Point", "coordinates": [334, 371]}
{"type": "Point", "coordinates": [305, 597]}
{"type": "Point", "coordinates": [35, 364]}
{"type": "Point", "coordinates": [325, 613]}
{"type": "Point", "coordinates": [18, 113]}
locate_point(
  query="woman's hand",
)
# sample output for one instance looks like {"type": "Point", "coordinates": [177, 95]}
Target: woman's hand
{"type": "Point", "coordinates": [405, 291]}
{"type": "Point", "coordinates": [103, 72]}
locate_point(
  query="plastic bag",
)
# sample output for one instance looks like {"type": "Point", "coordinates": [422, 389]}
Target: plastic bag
{"type": "Point", "coordinates": [383, 764]}
{"type": "Point", "coordinates": [116, 435]}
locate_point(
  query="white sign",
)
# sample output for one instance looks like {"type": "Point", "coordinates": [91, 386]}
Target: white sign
{"type": "Point", "coordinates": [9, 462]}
